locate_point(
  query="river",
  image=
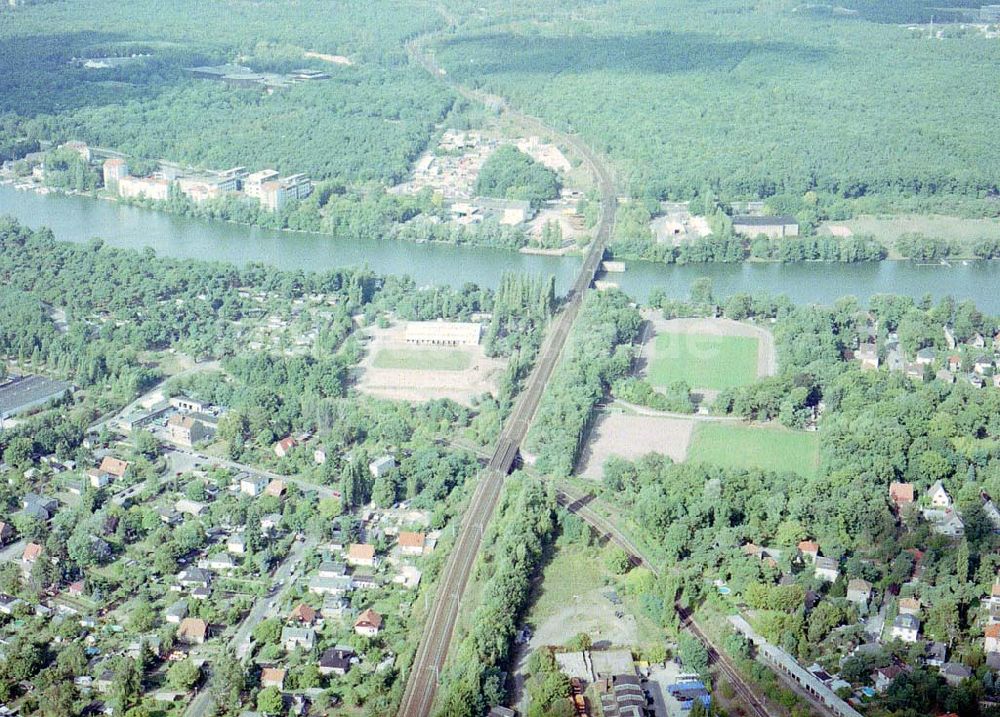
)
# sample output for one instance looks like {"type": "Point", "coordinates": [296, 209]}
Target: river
{"type": "Point", "coordinates": [79, 219]}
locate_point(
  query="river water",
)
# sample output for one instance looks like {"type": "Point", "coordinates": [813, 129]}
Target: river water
{"type": "Point", "coordinates": [79, 219]}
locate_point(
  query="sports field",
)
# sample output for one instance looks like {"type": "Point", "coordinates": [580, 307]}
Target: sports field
{"type": "Point", "coordinates": [768, 448]}
{"type": "Point", "coordinates": [703, 361]}
{"type": "Point", "coordinates": [423, 359]}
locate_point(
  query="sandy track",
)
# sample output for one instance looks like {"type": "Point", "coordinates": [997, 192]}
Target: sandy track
{"type": "Point", "coordinates": [420, 384]}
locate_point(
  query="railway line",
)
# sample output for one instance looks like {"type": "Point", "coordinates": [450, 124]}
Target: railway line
{"type": "Point", "coordinates": [422, 681]}
{"type": "Point", "coordinates": [579, 506]}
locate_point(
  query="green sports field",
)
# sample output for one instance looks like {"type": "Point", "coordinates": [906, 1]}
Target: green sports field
{"type": "Point", "coordinates": [423, 359]}
{"type": "Point", "coordinates": [703, 361]}
{"type": "Point", "coordinates": [768, 448]}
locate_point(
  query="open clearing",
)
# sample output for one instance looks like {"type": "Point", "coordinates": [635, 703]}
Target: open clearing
{"type": "Point", "coordinates": [765, 447]}
{"type": "Point", "coordinates": [423, 359]}
{"type": "Point", "coordinates": [709, 354]}
{"type": "Point", "coordinates": [889, 229]}
{"type": "Point", "coordinates": [399, 371]}
{"type": "Point", "coordinates": [631, 437]}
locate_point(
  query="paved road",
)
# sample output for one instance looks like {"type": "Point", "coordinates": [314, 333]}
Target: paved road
{"type": "Point", "coordinates": [422, 680]}
{"type": "Point", "coordinates": [194, 458]}
{"type": "Point", "coordinates": [264, 607]}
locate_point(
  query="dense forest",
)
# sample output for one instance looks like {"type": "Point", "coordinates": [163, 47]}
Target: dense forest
{"type": "Point", "coordinates": [748, 101]}
{"type": "Point", "coordinates": [368, 121]}
{"type": "Point", "coordinates": [511, 174]}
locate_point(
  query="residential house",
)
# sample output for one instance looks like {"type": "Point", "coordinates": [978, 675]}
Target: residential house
{"type": "Point", "coordinates": [335, 661]}
{"type": "Point", "coordinates": [368, 623]}
{"type": "Point", "coordinates": [867, 356]}
{"type": "Point", "coordinates": [331, 569]}
{"type": "Point", "coordinates": [992, 514]}
{"type": "Point", "coordinates": [296, 637]}
{"type": "Point", "coordinates": [905, 628]}
{"type": "Point", "coordinates": [408, 576]}
{"type": "Point", "coordinates": [334, 606]}
{"type": "Point", "coordinates": [319, 455]}
{"type": "Point", "coordinates": [185, 430]}
{"type": "Point", "coordinates": [283, 447]}
{"type": "Point", "coordinates": [411, 543]}
{"type": "Point", "coordinates": [991, 637]}
{"type": "Point", "coordinates": [304, 614]}
{"type": "Point", "coordinates": [809, 549]}
{"type": "Point", "coordinates": [190, 507]}
{"type": "Point", "coordinates": [116, 467]}
{"type": "Point", "coordinates": [218, 562]}
{"type": "Point", "coordinates": [859, 592]}
{"type": "Point", "coordinates": [381, 466]}
{"type": "Point", "coordinates": [201, 593]}
{"type": "Point", "coordinates": [827, 569]}
{"type": "Point", "coordinates": [938, 496]}
{"type": "Point", "coordinates": [275, 488]}
{"type": "Point", "coordinates": [954, 363]}
{"type": "Point", "coordinates": [365, 581]}
{"type": "Point", "coordinates": [900, 494]}
{"type": "Point", "coordinates": [272, 677]}
{"type": "Point", "coordinates": [982, 365]}
{"type": "Point", "coordinates": [362, 554]}
{"type": "Point", "coordinates": [75, 589]}
{"type": "Point", "coordinates": [949, 338]}
{"type": "Point", "coordinates": [270, 522]}
{"type": "Point", "coordinates": [954, 673]}
{"type": "Point", "coordinates": [38, 506]}
{"type": "Point", "coordinates": [98, 479]}
{"type": "Point", "coordinates": [32, 552]}
{"type": "Point", "coordinates": [252, 485]}
{"type": "Point", "coordinates": [945, 522]}
{"type": "Point", "coordinates": [8, 603]}
{"type": "Point", "coordinates": [339, 585]}
{"type": "Point", "coordinates": [909, 606]}
{"type": "Point", "coordinates": [176, 612]}
{"type": "Point", "coordinates": [194, 578]}
{"type": "Point", "coordinates": [236, 544]}
{"type": "Point", "coordinates": [935, 654]}
{"type": "Point", "coordinates": [926, 356]}
{"type": "Point", "coordinates": [884, 676]}
{"type": "Point", "coordinates": [192, 631]}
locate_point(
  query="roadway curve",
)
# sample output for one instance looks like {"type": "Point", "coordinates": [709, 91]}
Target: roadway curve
{"type": "Point", "coordinates": [422, 680]}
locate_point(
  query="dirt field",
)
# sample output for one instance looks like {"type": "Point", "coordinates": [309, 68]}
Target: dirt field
{"type": "Point", "coordinates": [405, 384]}
{"type": "Point", "coordinates": [630, 437]}
{"type": "Point", "coordinates": [767, 361]}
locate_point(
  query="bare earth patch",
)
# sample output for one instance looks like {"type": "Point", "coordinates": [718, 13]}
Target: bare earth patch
{"type": "Point", "coordinates": [410, 384]}
{"type": "Point", "coordinates": [631, 437]}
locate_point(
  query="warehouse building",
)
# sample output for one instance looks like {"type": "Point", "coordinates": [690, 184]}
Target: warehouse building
{"type": "Point", "coordinates": [23, 393]}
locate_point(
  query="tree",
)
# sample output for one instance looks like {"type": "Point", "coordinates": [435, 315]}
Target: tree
{"type": "Point", "coordinates": [58, 699]}
{"type": "Point", "coordinates": [183, 675]}
{"type": "Point", "coordinates": [126, 687]}
{"type": "Point", "coordinates": [227, 683]}
{"type": "Point", "coordinates": [269, 701]}
{"type": "Point", "coordinates": [692, 653]}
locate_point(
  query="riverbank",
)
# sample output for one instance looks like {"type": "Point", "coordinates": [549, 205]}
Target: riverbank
{"type": "Point", "coordinates": [79, 219]}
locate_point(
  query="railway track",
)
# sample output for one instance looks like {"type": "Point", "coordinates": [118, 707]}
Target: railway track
{"type": "Point", "coordinates": [422, 681]}
{"type": "Point", "coordinates": [580, 506]}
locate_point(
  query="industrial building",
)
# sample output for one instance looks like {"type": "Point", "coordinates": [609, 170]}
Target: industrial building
{"type": "Point", "coordinates": [23, 393]}
{"type": "Point", "coordinates": [774, 227]}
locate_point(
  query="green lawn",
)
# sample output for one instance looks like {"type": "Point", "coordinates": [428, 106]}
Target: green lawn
{"type": "Point", "coordinates": [710, 362]}
{"type": "Point", "coordinates": [769, 448]}
{"type": "Point", "coordinates": [425, 359]}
